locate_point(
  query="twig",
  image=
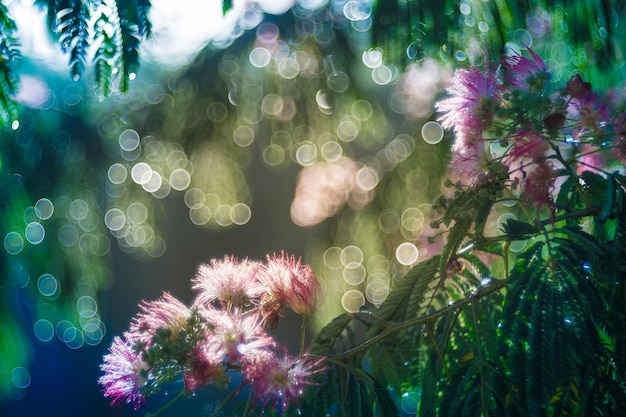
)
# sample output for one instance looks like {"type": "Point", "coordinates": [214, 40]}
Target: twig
{"type": "Point", "coordinates": [481, 292]}
{"type": "Point", "coordinates": [172, 401]}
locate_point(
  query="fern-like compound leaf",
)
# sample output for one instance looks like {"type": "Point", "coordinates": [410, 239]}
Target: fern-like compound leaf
{"type": "Point", "coordinates": [9, 55]}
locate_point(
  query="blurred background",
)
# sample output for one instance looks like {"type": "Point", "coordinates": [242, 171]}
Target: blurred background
{"type": "Point", "coordinates": [249, 128]}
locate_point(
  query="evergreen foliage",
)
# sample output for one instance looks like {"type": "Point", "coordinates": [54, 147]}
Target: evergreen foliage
{"type": "Point", "coordinates": [9, 55]}
{"type": "Point", "coordinates": [406, 31]}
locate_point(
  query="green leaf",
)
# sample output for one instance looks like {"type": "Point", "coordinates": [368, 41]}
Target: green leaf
{"type": "Point", "coordinates": [352, 400]}
{"type": "Point", "coordinates": [324, 341]}
{"type": "Point", "coordinates": [607, 205]}
{"type": "Point", "coordinates": [408, 291]}
{"type": "Point", "coordinates": [73, 18]}
{"type": "Point", "coordinates": [565, 194]}
{"type": "Point", "coordinates": [386, 404]}
{"type": "Point", "coordinates": [550, 319]}
{"type": "Point", "coordinates": [456, 235]}
{"type": "Point", "coordinates": [134, 26]}
{"type": "Point", "coordinates": [9, 55]}
{"type": "Point", "coordinates": [226, 6]}
{"type": "Point", "coordinates": [388, 363]}
{"type": "Point", "coordinates": [595, 187]}
{"type": "Point", "coordinates": [518, 230]}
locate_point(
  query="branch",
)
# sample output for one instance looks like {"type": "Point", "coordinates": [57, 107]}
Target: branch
{"type": "Point", "coordinates": [480, 293]}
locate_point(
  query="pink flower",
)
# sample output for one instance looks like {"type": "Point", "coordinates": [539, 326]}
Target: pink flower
{"type": "Point", "coordinates": [288, 281]}
{"type": "Point", "coordinates": [280, 379]}
{"type": "Point", "coordinates": [470, 163]}
{"type": "Point", "coordinates": [122, 379]}
{"type": "Point", "coordinates": [229, 280]}
{"type": "Point", "coordinates": [528, 147]}
{"type": "Point", "coordinates": [205, 364]}
{"type": "Point", "coordinates": [577, 88]}
{"type": "Point", "coordinates": [590, 159]}
{"type": "Point", "coordinates": [238, 335]}
{"type": "Point", "coordinates": [526, 162]}
{"type": "Point", "coordinates": [475, 96]}
{"type": "Point", "coordinates": [590, 112]}
{"type": "Point", "coordinates": [537, 185]}
{"type": "Point", "coordinates": [164, 313]}
{"type": "Point", "coordinates": [530, 75]}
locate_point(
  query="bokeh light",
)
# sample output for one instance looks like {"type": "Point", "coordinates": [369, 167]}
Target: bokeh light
{"type": "Point", "coordinates": [44, 330]}
{"type": "Point", "coordinates": [20, 377]}
{"type": "Point", "coordinates": [13, 243]}
{"type": "Point", "coordinates": [352, 301]}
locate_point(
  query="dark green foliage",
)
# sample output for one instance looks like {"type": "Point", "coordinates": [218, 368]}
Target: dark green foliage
{"type": "Point", "coordinates": [72, 27]}
{"type": "Point", "coordinates": [549, 326]}
{"type": "Point", "coordinates": [348, 391]}
{"type": "Point", "coordinates": [9, 54]}
{"type": "Point", "coordinates": [134, 26]}
{"type": "Point", "coordinates": [423, 26]}
{"type": "Point", "coordinates": [169, 352]}
{"type": "Point", "coordinates": [405, 299]}
{"type": "Point", "coordinates": [104, 59]}
{"type": "Point", "coordinates": [328, 336]}
{"type": "Point", "coordinates": [518, 230]}
{"type": "Point", "coordinates": [551, 345]}
{"type": "Point", "coordinates": [226, 6]}
{"type": "Point", "coordinates": [118, 32]}
{"type": "Point", "coordinates": [461, 395]}
{"type": "Point", "coordinates": [467, 211]}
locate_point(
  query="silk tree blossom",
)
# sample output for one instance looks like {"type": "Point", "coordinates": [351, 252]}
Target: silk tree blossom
{"type": "Point", "coordinates": [228, 280]}
{"type": "Point", "coordinates": [475, 97]}
{"type": "Point", "coordinates": [165, 313]}
{"type": "Point", "coordinates": [280, 380]}
{"type": "Point", "coordinates": [527, 165]}
{"type": "Point", "coordinates": [577, 88]}
{"type": "Point", "coordinates": [528, 147]}
{"type": "Point", "coordinates": [590, 159]}
{"type": "Point", "coordinates": [237, 334]}
{"type": "Point", "coordinates": [590, 112]}
{"type": "Point", "coordinates": [537, 186]}
{"type": "Point", "coordinates": [205, 365]}
{"type": "Point", "coordinates": [208, 341]}
{"type": "Point", "coordinates": [470, 164]}
{"type": "Point", "coordinates": [289, 282]}
{"type": "Point", "coordinates": [528, 75]}
{"type": "Point", "coordinates": [123, 373]}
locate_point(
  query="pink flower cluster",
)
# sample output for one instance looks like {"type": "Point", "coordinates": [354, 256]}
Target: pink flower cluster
{"type": "Point", "coordinates": [224, 330]}
{"type": "Point", "coordinates": [536, 126]}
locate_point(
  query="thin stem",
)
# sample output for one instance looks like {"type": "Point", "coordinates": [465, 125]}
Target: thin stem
{"type": "Point", "coordinates": [505, 257]}
{"type": "Point", "coordinates": [230, 396]}
{"type": "Point", "coordinates": [429, 331]}
{"type": "Point", "coordinates": [305, 319]}
{"type": "Point", "coordinates": [481, 358]}
{"type": "Point", "coordinates": [589, 211]}
{"type": "Point", "coordinates": [431, 317]}
{"type": "Point", "coordinates": [248, 403]}
{"type": "Point", "coordinates": [172, 401]}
